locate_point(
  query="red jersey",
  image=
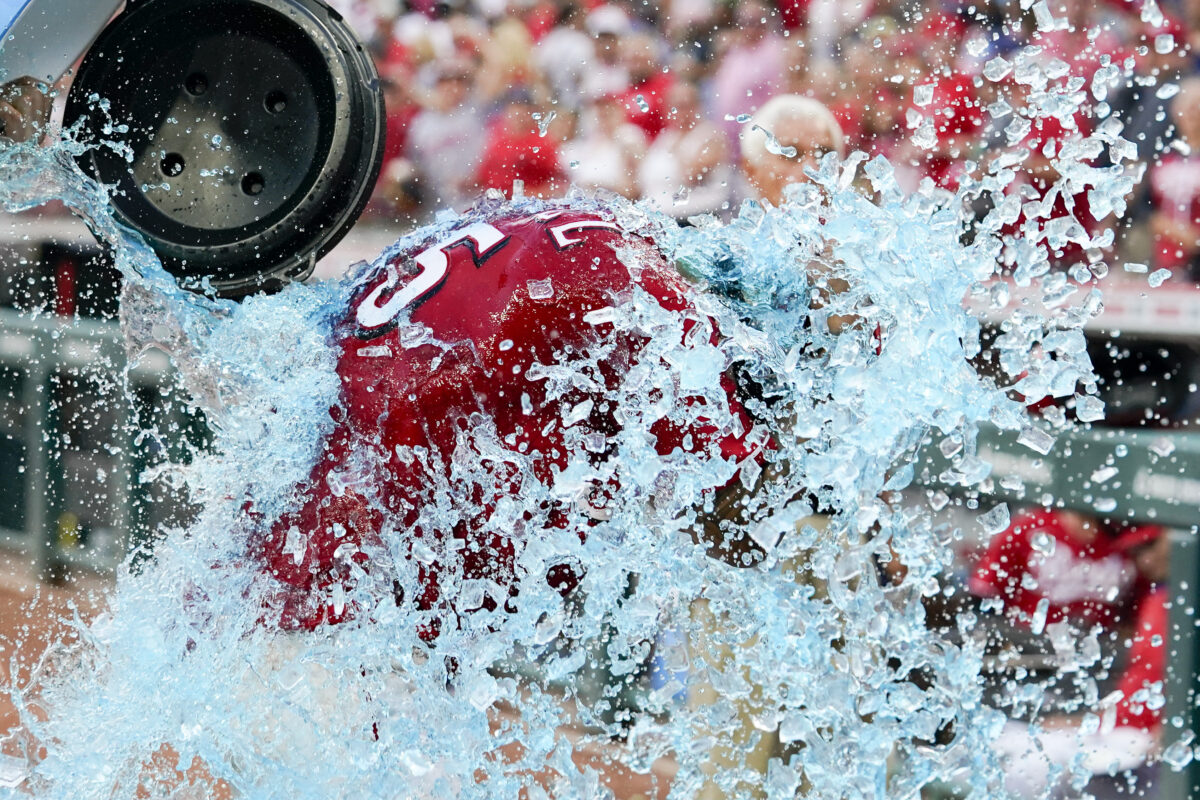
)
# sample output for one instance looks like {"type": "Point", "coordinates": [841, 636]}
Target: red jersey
{"type": "Point", "coordinates": [519, 155]}
{"type": "Point", "coordinates": [646, 104]}
{"type": "Point", "coordinates": [1036, 559]}
{"type": "Point", "coordinates": [1146, 667]}
{"type": "Point", "coordinates": [1175, 193]}
{"type": "Point", "coordinates": [457, 330]}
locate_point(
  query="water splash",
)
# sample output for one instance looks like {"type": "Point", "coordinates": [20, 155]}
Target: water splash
{"type": "Point", "coordinates": [843, 309]}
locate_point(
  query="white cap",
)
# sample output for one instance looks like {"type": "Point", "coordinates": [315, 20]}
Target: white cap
{"type": "Point", "coordinates": [608, 19]}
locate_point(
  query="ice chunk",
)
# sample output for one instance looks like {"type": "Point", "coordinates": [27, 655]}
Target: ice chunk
{"type": "Point", "coordinates": [541, 289]}
{"type": "Point", "coordinates": [999, 109]}
{"type": "Point", "coordinates": [1166, 91]}
{"type": "Point", "coordinates": [1038, 623]}
{"type": "Point", "coordinates": [996, 520]}
{"type": "Point", "coordinates": [1151, 13]}
{"type": "Point", "coordinates": [925, 137]}
{"type": "Point", "coordinates": [375, 351]}
{"type": "Point", "coordinates": [543, 121]}
{"type": "Point", "coordinates": [997, 69]}
{"type": "Point", "coordinates": [1036, 439]}
{"type": "Point", "coordinates": [295, 544]}
{"type": "Point", "coordinates": [1089, 408]}
{"type": "Point", "coordinates": [1043, 17]}
{"type": "Point", "coordinates": [1178, 754]}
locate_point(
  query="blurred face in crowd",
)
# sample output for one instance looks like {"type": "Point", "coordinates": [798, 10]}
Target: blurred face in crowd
{"type": "Point", "coordinates": [518, 116]}
{"type": "Point", "coordinates": [453, 88]}
{"type": "Point", "coordinates": [753, 19]}
{"type": "Point", "coordinates": [608, 48]}
{"type": "Point", "coordinates": [640, 57]}
{"type": "Point", "coordinates": [1080, 527]}
{"type": "Point", "coordinates": [1185, 111]}
{"type": "Point", "coordinates": [610, 114]}
{"type": "Point", "coordinates": [770, 173]}
{"type": "Point", "coordinates": [684, 102]}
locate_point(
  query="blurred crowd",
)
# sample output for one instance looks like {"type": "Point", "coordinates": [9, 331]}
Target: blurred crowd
{"type": "Point", "coordinates": [650, 100]}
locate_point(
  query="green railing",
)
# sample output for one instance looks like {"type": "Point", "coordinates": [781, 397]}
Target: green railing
{"type": "Point", "coordinates": [72, 449]}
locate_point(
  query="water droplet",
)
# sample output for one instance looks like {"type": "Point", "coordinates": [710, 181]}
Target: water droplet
{"type": "Point", "coordinates": [1043, 542]}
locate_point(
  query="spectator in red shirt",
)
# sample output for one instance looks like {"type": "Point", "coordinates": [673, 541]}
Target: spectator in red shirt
{"type": "Point", "coordinates": [401, 108]}
{"type": "Point", "coordinates": [1120, 754]}
{"type": "Point", "coordinates": [516, 150]}
{"type": "Point", "coordinates": [646, 98]}
{"type": "Point", "coordinates": [1175, 191]}
{"type": "Point", "coordinates": [957, 118]}
{"type": "Point", "coordinates": [1056, 565]}
{"type": "Point", "coordinates": [1141, 683]}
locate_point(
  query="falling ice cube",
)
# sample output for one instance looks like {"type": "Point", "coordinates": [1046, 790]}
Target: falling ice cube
{"type": "Point", "coordinates": [997, 69]}
{"type": "Point", "coordinates": [996, 520]}
{"type": "Point", "coordinates": [1038, 623]}
{"type": "Point", "coordinates": [1036, 439]}
{"type": "Point", "coordinates": [1089, 408]}
{"type": "Point", "coordinates": [540, 290]}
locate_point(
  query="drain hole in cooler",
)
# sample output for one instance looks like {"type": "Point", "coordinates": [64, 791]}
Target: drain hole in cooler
{"type": "Point", "coordinates": [196, 83]}
{"type": "Point", "coordinates": [275, 101]}
{"type": "Point", "coordinates": [253, 184]}
{"type": "Point", "coordinates": [171, 165]}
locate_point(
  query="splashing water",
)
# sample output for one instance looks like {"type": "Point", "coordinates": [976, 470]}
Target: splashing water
{"type": "Point", "coordinates": [843, 309]}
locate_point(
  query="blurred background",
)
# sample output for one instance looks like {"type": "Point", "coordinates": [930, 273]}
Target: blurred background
{"type": "Point", "coordinates": [650, 101]}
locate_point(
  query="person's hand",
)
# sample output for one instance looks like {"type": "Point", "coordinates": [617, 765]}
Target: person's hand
{"type": "Point", "coordinates": [24, 109]}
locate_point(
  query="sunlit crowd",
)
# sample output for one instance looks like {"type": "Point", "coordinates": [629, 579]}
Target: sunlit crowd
{"type": "Point", "coordinates": [652, 100]}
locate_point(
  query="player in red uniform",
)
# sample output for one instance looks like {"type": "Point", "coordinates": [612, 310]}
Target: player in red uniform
{"type": "Point", "coordinates": [462, 325]}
